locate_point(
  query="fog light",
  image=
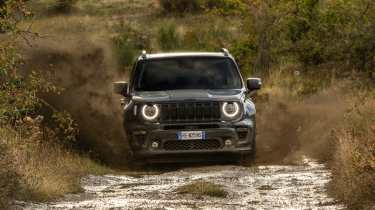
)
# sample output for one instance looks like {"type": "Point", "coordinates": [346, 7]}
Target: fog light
{"type": "Point", "coordinates": [155, 145]}
{"type": "Point", "coordinates": [228, 142]}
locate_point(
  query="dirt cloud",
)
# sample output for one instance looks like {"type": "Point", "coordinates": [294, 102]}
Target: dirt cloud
{"type": "Point", "coordinates": [86, 70]}
{"type": "Point", "coordinates": [289, 129]}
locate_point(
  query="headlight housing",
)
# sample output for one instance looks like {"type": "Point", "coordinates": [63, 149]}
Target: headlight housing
{"type": "Point", "coordinates": [231, 110]}
{"type": "Point", "coordinates": [150, 112]}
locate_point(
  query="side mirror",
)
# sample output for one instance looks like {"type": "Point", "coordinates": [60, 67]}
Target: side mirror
{"type": "Point", "coordinates": [253, 84]}
{"type": "Point", "coordinates": [121, 88]}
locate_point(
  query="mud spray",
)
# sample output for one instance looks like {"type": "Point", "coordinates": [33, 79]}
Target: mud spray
{"type": "Point", "coordinates": [290, 129]}
{"type": "Point", "coordinates": [85, 70]}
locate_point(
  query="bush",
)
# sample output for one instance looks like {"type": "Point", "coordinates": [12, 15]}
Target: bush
{"type": "Point", "coordinates": [8, 182]}
{"type": "Point", "coordinates": [169, 39]}
{"type": "Point", "coordinates": [354, 158]}
{"type": "Point", "coordinates": [180, 6]}
{"type": "Point", "coordinates": [223, 7]}
{"type": "Point", "coordinates": [64, 6]}
{"type": "Point", "coordinates": [128, 44]}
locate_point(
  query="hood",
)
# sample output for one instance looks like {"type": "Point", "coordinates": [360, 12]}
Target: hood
{"type": "Point", "coordinates": [188, 95]}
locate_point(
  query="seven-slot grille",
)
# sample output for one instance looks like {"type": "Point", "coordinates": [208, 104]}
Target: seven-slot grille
{"type": "Point", "coordinates": [190, 111]}
{"type": "Point", "coordinates": [208, 144]}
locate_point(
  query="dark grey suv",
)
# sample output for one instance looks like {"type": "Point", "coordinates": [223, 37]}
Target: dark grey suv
{"type": "Point", "coordinates": [188, 105]}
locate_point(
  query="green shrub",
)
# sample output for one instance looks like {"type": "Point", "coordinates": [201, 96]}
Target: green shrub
{"type": "Point", "coordinates": [180, 6]}
{"type": "Point", "coordinates": [226, 7]}
{"type": "Point", "coordinates": [64, 6]}
{"type": "Point", "coordinates": [223, 7]}
{"type": "Point", "coordinates": [203, 37]}
{"type": "Point", "coordinates": [128, 43]}
{"type": "Point", "coordinates": [169, 38]}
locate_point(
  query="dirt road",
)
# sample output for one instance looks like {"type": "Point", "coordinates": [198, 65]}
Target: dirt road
{"type": "Point", "coordinates": [259, 187]}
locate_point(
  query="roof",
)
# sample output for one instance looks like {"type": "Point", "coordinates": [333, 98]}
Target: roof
{"type": "Point", "coordinates": [183, 54]}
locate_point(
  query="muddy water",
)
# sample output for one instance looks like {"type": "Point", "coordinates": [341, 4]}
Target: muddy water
{"type": "Point", "coordinates": [259, 187]}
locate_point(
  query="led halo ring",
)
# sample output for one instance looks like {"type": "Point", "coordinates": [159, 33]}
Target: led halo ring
{"type": "Point", "coordinates": [150, 117]}
{"type": "Point", "coordinates": [236, 106]}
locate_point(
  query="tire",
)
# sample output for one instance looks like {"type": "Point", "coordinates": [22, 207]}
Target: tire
{"type": "Point", "coordinates": [249, 159]}
{"type": "Point", "coordinates": [134, 162]}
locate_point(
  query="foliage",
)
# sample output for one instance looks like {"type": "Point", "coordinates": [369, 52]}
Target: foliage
{"type": "Point", "coordinates": [128, 43]}
{"type": "Point", "coordinates": [17, 94]}
{"type": "Point", "coordinates": [65, 127]}
{"type": "Point", "coordinates": [29, 140]}
{"type": "Point", "coordinates": [8, 178]}
{"type": "Point", "coordinates": [180, 6]}
{"type": "Point", "coordinates": [311, 32]}
{"type": "Point", "coordinates": [169, 38]}
{"type": "Point", "coordinates": [354, 157]}
{"type": "Point", "coordinates": [226, 7]}
{"type": "Point", "coordinates": [64, 6]}
{"type": "Point", "coordinates": [222, 7]}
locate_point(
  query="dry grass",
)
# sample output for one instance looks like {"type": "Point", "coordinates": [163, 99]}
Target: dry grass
{"type": "Point", "coordinates": [8, 182]}
{"type": "Point", "coordinates": [45, 170]}
{"type": "Point", "coordinates": [353, 161]}
{"type": "Point", "coordinates": [201, 188]}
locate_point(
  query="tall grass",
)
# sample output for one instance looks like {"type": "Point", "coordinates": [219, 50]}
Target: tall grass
{"type": "Point", "coordinates": [8, 178]}
{"type": "Point", "coordinates": [169, 38]}
{"type": "Point", "coordinates": [353, 160]}
{"type": "Point", "coordinates": [44, 169]}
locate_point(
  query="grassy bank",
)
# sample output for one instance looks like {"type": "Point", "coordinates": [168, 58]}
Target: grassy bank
{"type": "Point", "coordinates": [36, 167]}
{"type": "Point", "coordinates": [353, 158]}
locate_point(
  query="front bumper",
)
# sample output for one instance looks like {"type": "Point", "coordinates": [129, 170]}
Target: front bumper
{"type": "Point", "coordinates": [142, 137]}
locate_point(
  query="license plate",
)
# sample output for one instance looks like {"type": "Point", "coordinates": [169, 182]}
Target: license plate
{"type": "Point", "coordinates": [191, 135]}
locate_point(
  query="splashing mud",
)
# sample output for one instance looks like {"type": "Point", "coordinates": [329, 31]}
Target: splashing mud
{"type": "Point", "coordinates": [289, 129]}
{"type": "Point", "coordinates": [86, 70]}
{"type": "Point", "coordinates": [261, 187]}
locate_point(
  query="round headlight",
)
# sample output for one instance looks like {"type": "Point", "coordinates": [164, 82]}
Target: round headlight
{"type": "Point", "coordinates": [150, 112]}
{"type": "Point", "coordinates": [231, 110]}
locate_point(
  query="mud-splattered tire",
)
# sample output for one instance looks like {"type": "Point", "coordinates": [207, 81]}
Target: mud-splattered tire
{"type": "Point", "coordinates": [249, 159]}
{"type": "Point", "coordinates": [133, 162]}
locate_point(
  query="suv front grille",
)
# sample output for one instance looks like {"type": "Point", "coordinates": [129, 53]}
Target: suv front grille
{"type": "Point", "coordinates": [190, 111]}
{"type": "Point", "coordinates": [208, 144]}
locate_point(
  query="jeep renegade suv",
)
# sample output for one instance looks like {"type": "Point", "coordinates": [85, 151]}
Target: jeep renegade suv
{"type": "Point", "coordinates": [190, 105]}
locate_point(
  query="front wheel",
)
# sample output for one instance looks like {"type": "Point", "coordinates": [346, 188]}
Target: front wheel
{"type": "Point", "coordinates": [249, 159]}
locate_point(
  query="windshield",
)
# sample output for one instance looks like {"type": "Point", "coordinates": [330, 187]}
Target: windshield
{"type": "Point", "coordinates": [187, 73]}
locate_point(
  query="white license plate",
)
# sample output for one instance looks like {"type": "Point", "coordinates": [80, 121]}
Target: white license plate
{"type": "Point", "coordinates": [190, 135]}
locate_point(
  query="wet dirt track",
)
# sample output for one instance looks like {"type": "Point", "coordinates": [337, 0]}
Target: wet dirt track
{"type": "Point", "coordinates": [258, 187]}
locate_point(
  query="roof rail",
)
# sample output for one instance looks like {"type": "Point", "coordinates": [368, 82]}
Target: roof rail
{"type": "Point", "coordinates": [144, 54]}
{"type": "Point", "coordinates": [225, 51]}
